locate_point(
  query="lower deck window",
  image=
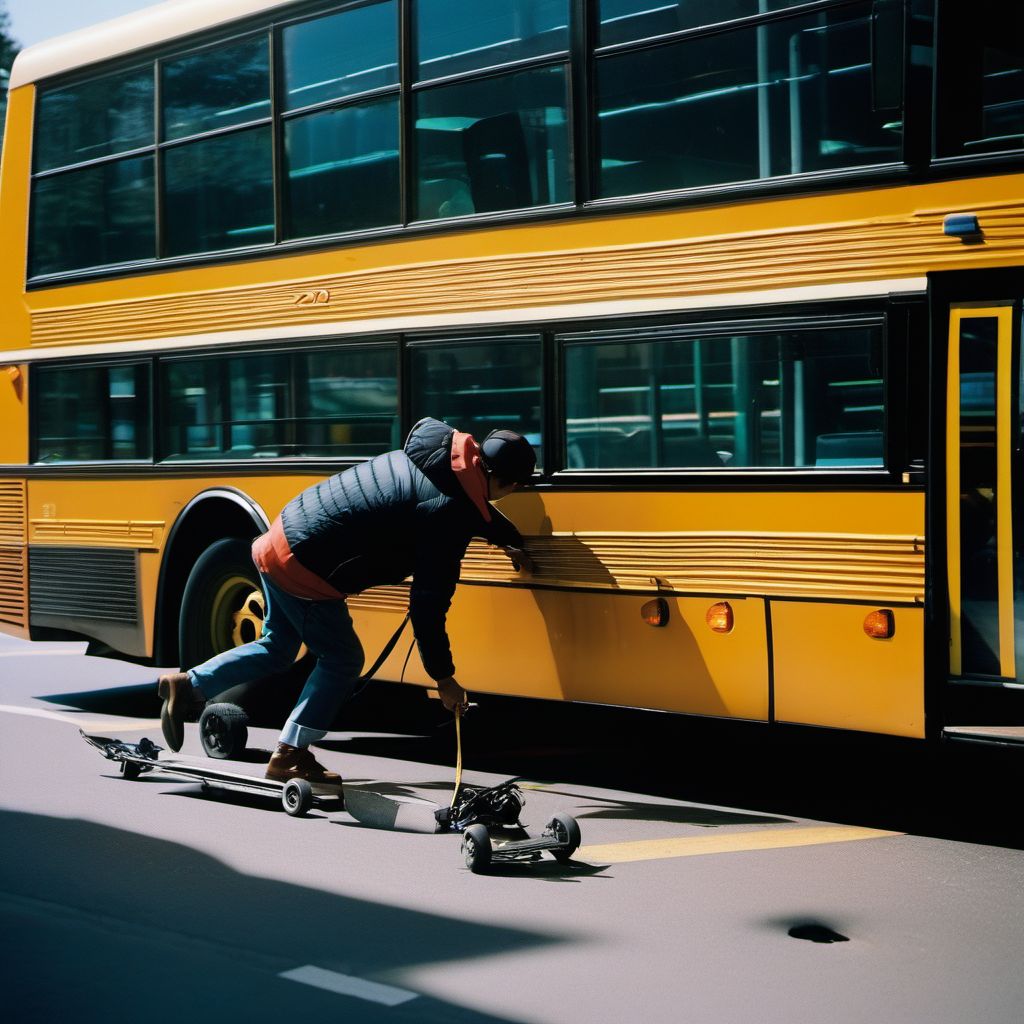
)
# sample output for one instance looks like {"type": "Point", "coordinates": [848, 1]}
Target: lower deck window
{"type": "Point", "coordinates": [790, 399]}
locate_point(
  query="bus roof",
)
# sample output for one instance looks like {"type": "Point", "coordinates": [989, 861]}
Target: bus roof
{"type": "Point", "coordinates": [170, 20]}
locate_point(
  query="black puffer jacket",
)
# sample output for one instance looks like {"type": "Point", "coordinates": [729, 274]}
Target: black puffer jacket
{"type": "Point", "coordinates": [400, 514]}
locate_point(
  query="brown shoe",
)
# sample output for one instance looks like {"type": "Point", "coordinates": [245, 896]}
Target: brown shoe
{"type": "Point", "coordinates": [299, 763]}
{"type": "Point", "coordinates": [180, 705]}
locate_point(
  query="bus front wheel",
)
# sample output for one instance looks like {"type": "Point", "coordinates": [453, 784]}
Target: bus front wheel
{"type": "Point", "coordinates": [222, 606]}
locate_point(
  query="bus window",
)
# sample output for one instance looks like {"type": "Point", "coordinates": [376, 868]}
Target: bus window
{"type": "Point", "coordinates": [980, 78]}
{"type": "Point", "coordinates": [756, 101]}
{"type": "Point", "coordinates": [623, 21]}
{"type": "Point", "coordinates": [92, 204]}
{"type": "Point", "coordinates": [347, 402]}
{"type": "Point", "coordinates": [215, 407]}
{"type": "Point", "coordinates": [792, 399]}
{"type": "Point", "coordinates": [479, 386]}
{"type": "Point", "coordinates": [92, 413]}
{"type": "Point", "coordinates": [219, 188]}
{"type": "Point", "coordinates": [341, 162]}
{"type": "Point", "coordinates": [456, 36]}
{"type": "Point", "coordinates": [493, 144]}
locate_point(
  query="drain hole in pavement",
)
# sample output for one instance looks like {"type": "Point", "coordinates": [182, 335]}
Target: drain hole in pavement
{"type": "Point", "coordinates": [816, 933]}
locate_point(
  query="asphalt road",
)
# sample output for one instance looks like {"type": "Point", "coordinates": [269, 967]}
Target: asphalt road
{"type": "Point", "coordinates": [712, 860]}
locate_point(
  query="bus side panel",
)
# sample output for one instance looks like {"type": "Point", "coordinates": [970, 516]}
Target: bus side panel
{"type": "Point", "coordinates": [13, 416]}
{"type": "Point", "coordinates": [596, 647]}
{"type": "Point", "coordinates": [829, 672]}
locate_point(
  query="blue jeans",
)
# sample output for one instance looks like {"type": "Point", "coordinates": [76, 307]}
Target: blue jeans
{"type": "Point", "coordinates": [325, 627]}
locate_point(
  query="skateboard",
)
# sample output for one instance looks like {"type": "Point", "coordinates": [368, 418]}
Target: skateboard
{"type": "Point", "coordinates": [297, 796]}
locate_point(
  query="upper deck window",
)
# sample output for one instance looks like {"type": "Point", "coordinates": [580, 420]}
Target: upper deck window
{"type": "Point", "coordinates": [623, 21]}
{"type": "Point", "coordinates": [341, 144]}
{"type": "Point", "coordinates": [489, 142]}
{"type": "Point", "coordinates": [784, 97]}
{"type": "Point", "coordinates": [980, 82]}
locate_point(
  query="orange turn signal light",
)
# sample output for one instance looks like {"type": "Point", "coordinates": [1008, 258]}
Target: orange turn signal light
{"type": "Point", "coordinates": [655, 613]}
{"type": "Point", "coordinates": [719, 617]}
{"type": "Point", "coordinates": [880, 625]}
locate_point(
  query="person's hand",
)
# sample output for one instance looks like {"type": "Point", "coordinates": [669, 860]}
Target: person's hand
{"type": "Point", "coordinates": [453, 696]}
{"type": "Point", "coordinates": [521, 560]}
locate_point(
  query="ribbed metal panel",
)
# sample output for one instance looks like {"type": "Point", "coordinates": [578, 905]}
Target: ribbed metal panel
{"type": "Point", "coordinates": [12, 553]}
{"type": "Point", "coordinates": [99, 584]}
{"type": "Point", "coordinates": [381, 599]}
{"type": "Point", "coordinates": [816, 566]}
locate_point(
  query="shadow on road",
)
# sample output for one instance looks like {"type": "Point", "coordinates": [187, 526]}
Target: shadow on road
{"type": "Point", "coordinates": [889, 783]}
{"type": "Point", "coordinates": [102, 924]}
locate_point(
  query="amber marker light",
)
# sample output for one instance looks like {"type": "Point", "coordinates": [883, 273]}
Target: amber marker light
{"type": "Point", "coordinates": [655, 613]}
{"type": "Point", "coordinates": [880, 625]}
{"type": "Point", "coordinates": [719, 617]}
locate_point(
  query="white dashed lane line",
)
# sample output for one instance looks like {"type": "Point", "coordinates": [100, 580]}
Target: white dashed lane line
{"type": "Point", "coordinates": [346, 985]}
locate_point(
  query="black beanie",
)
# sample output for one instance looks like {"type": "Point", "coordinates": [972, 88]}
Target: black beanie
{"type": "Point", "coordinates": [509, 456]}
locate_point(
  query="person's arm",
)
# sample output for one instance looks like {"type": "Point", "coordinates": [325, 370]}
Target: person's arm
{"type": "Point", "coordinates": [502, 533]}
{"type": "Point", "coordinates": [435, 575]}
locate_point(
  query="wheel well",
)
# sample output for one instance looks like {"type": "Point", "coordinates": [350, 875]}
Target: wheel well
{"type": "Point", "coordinates": [203, 522]}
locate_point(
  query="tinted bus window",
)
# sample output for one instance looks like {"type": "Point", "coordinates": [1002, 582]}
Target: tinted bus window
{"type": "Point", "coordinates": [91, 413]}
{"type": "Point", "coordinates": [219, 193]}
{"type": "Point", "coordinates": [493, 144]}
{"type": "Point", "coordinates": [479, 386]}
{"type": "Point", "coordinates": [980, 82]}
{"type": "Point", "coordinates": [456, 36]}
{"type": "Point", "coordinates": [213, 89]}
{"type": "Point", "coordinates": [623, 21]}
{"type": "Point", "coordinates": [94, 216]}
{"type": "Point", "coordinates": [792, 399]}
{"type": "Point", "coordinates": [342, 169]}
{"type": "Point", "coordinates": [347, 402]}
{"type": "Point", "coordinates": [781, 98]}
{"type": "Point", "coordinates": [340, 55]}
{"type": "Point", "coordinates": [100, 118]}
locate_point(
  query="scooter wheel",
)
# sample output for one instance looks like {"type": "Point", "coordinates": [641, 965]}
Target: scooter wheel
{"type": "Point", "coordinates": [297, 797]}
{"type": "Point", "coordinates": [567, 832]}
{"type": "Point", "coordinates": [223, 730]}
{"type": "Point", "coordinates": [476, 848]}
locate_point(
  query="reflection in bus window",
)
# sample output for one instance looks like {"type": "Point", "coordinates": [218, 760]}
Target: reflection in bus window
{"type": "Point", "coordinates": [480, 386]}
{"type": "Point", "coordinates": [759, 400]}
{"type": "Point", "coordinates": [781, 98]}
{"type": "Point", "coordinates": [214, 89]}
{"type": "Point", "coordinates": [331, 403]}
{"type": "Point", "coordinates": [980, 78]}
{"type": "Point", "coordinates": [92, 413]}
{"type": "Point", "coordinates": [623, 21]}
{"type": "Point", "coordinates": [456, 36]}
{"type": "Point", "coordinates": [493, 144]}
{"type": "Point", "coordinates": [340, 55]}
{"type": "Point", "coordinates": [347, 402]}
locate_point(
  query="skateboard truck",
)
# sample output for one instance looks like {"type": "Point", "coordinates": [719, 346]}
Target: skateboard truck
{"type": "Point", "coordinates": [561, 837]}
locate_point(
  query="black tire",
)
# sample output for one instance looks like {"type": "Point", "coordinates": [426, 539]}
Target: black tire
{"type": "Point", "coordinates": [564, 826]}
{"type": "Point", "coordinates": [222, 606]}
{"type": "Point", "coordinates": [476, 848]}
{"type": "Point", "coordinates": [223, 730]}
{"type": "Point", "coordinates": [130, 770]}
{"type": "Point", "coordinates": [297, 797]}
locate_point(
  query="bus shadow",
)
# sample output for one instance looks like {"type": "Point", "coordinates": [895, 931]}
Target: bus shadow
{"type": "Point", "coordinates": [183, 924]}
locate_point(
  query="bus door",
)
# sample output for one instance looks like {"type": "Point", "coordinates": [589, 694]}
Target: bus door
{"type": "Point", "coordinates": [984, 528]}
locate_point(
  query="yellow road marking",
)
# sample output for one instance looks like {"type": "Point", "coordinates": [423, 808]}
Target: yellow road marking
{"type": "Point", "coordinates": [731, 842]}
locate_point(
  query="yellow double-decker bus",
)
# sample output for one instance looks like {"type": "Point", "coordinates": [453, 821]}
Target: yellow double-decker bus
{"type": "Point", "coordinates": [748, 274]}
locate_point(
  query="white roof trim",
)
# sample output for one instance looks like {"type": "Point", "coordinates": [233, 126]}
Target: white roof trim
{"type": "Point", "coordinates": [149, 27]}
{"type": "Point", "coordinates": [529, 316]}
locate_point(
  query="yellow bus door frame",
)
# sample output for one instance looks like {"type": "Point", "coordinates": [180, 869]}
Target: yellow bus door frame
{"type": "Point", "coordinates": [986, 603]}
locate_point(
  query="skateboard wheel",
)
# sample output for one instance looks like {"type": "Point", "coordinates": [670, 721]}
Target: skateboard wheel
{"type": "Point", "coordinates": [223, 730]}
{"type": "Point", "coordinates": [567, 832]}
{"type": "Point", "coordinates": [476, 848]}
{"type": "Point", "coordinates": [130, 770]}
{"type": "Point", "coordinates": [297, 797]}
